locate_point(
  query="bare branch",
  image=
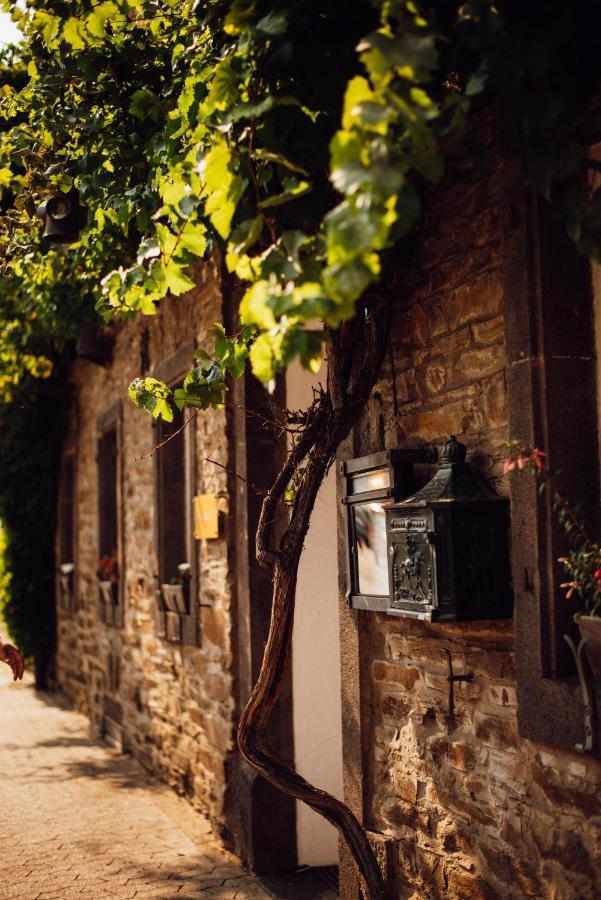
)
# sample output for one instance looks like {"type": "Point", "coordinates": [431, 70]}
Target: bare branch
{"type": "Point", "coordinates": [250, 484]}
{"type": "Point", "coordinates": [170, 437]}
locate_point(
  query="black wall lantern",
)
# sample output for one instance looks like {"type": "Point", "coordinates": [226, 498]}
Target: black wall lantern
{"type": "Point", "coordinates": [447, 547]}
{"type": "Point", "coordinates": [63, 217]}
{"type": "Point", "coordinates": [371, 482]}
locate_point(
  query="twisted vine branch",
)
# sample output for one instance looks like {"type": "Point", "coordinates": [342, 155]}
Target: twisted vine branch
{"type": "Point", "coordinates": [357, 350]}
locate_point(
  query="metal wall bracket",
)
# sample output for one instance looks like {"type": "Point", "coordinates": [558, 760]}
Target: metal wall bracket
{"type": "Point", "coordinates": [589, 710]}
{"type": "Point", "coordinates": [452, 678]}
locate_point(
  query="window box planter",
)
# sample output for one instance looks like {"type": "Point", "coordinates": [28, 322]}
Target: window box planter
{"type": "Point", "coordinates": [174, 598]}
{"type": "Point", "coordinates": [66, 578]}
{"type": "Point", "coordinates": [108, 592]}
{"type": "Point", "coordinates": [590, 629]}
{"type": "Point", "coordinates": [109, 607]}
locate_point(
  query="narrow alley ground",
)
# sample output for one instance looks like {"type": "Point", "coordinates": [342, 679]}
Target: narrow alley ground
{"type": "Point", "coordinates": [78, 820]}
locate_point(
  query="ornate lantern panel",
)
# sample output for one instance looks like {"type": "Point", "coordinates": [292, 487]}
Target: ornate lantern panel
{"type": "Point", "coordinates": [447, 547]}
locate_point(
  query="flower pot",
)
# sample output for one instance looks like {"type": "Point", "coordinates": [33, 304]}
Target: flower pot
{"type": "Point", "coordinates": [108, 592]}
{"type": "Point", "coordinates": [174, 598]}
{"type": "Point", "coordinates": [590, 628]}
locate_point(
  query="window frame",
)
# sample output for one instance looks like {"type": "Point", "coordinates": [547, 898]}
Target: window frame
{"type": "Point", "coordinates": [178, 627]}
{"type": "Point", "coordinates": [112, 614]}
{"type": "Point", "coordinates": [551, 404]}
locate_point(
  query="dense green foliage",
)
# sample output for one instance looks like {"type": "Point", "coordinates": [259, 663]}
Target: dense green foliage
{"type": "Point", "coordinates": [298, 138]}
{"type": "Point", "coordinates": [30, 444]}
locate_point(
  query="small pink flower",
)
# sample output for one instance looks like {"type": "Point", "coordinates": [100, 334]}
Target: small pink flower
{"type": "Point", "coordinates": [522, 460]}
{"type": "Point", "coordinates": [508, 466]}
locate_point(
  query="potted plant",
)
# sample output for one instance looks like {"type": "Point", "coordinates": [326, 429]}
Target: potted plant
{"type": "Point", "coordinates": [176, 593]}
{"type": "Point", "coordinates": [583, 562]}
{"type": "Point", "coordinates": [108, 578]}
{"type": "Point", "coordinates": [66, 578]}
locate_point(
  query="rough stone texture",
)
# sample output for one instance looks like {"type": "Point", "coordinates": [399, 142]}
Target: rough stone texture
{"type": "Point", "coordinates": [82, 821]}
{"type": "Point", "coordinates": [176, 700]}
{"type": "Point", "coordinates": [473, 810]}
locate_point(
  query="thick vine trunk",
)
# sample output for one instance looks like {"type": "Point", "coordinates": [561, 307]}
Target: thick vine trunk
{"type": "Point", "coordinates": [353, 364]}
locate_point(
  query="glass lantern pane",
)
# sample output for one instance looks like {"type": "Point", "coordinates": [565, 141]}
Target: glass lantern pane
{"type": "Point", "coordinates": [370, 541]}
{"type": "Point", "coordinates": [376, 480]}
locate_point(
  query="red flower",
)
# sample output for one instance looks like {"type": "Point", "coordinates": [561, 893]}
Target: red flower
{"type": "Point", "coordinates": [537, 458]}
{"type": "Point", "coordinates": [107, 569]}
{"type": "Point", "coordinates": [597, 574]}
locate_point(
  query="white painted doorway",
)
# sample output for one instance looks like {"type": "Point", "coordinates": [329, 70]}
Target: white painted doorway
{"type": "Point", "coordinates": [317, 710]}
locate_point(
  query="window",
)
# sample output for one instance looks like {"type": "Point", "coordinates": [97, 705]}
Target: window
{"type": "Point", "coordinates": [177, 606]}
{"type": "Point", "coordinates": [110, 588]}
{"type": "Point", "coordinates": [551, 404]}
{"type": "Point", "coordinates": [172, 498]}
{"type": "Point", "coordinates": [66, 549]}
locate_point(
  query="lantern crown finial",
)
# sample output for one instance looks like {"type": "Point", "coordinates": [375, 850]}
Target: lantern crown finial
{"type": "Point", "coordinates": [452, 452]}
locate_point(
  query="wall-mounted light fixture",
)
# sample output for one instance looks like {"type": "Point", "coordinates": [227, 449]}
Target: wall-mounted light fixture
{"type": "Point", "coordinates": [370, 483]}
{"type": "Point", "coordinates": [63, 217]}
{"type": "Point", "coordinates": [447, 547]}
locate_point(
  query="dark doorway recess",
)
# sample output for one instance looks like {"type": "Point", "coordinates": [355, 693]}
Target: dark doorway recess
{"type": "Point", "coordinates": [261, 820]}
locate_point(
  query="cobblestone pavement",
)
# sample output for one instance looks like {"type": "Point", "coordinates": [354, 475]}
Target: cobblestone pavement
{"type": "Point", "coordinates": [78, 820]}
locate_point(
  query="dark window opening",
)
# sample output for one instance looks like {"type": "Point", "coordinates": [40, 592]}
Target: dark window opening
{"type": "Point", "coordinates": [176, 613]}
{"type": "Point", "coordinates": [107, 464]}
{"type": "Point", "coordinates": [172, 501]}
{"type": "Point", "coordinates": [66, 513]}
{"type": "Point", "coordinates": [109, 574]}
{"type": "Point", "coordinates": [66, 536]}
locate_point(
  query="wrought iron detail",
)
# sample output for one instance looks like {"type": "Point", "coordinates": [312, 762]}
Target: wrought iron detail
{"type": "Point", "coordinates": [588, 746]}
{"type": "Point", "coordinates": [452, 678]}
{"type": "Point", "coordinates": [412, 576]}
{"type": "Point", "coordinates": [408, 524]}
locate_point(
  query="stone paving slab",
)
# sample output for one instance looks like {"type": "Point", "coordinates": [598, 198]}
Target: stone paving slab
{"type": "Point", "coordinates": [78, 821]}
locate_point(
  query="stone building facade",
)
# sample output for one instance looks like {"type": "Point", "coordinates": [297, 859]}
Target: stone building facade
{"type": "Point", "coordinates": [168, 702]}
{"type": "Point", "coordinates": [470, 807]}
{"type": "Point", "coordinates": [494, 803]}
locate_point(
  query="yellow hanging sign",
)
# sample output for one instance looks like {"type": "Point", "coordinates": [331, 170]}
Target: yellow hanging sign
{"type": "Point", "coordinates": [206, 517]}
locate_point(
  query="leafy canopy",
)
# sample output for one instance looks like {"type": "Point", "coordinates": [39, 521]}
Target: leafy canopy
{"type": "Point", "coordinates": [296, 137]}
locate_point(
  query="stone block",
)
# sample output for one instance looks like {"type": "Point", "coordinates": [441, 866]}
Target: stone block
{"type": "Point", "coordinates": [474, 365]}
{"type": "Point", "coordinates": [392, 674]}
{"type": "Point", "coordinates": [462, 885]}
{"type": "Point", "coordinates": [215, 626]}
{"type": "Point", "coordinates": [462, 756]}
{"type": "Point", "coordinates": [489, 331]}
{"type": "Point", "coordinates": [496, 732]}
{"type": "Point", "coordinates": [404, 785]}
{"type": "Point", "coordinates": [395, 706]}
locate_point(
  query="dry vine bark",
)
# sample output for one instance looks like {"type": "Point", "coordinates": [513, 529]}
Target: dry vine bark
{"type": "Point", "coordinates": [354, 360]}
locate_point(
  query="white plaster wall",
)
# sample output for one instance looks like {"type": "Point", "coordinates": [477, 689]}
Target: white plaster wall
{"type": "Point", "coordinates": [317, 713]}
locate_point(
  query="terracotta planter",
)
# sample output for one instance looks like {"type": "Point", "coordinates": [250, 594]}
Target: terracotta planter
{"type": "Point", "coordinates": [590, 628]}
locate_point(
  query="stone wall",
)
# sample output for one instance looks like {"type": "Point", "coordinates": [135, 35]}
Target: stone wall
{"type": "Point", "coordinates": [463, 808]}
{"type": "Point", "coordinates": [176, 700]}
